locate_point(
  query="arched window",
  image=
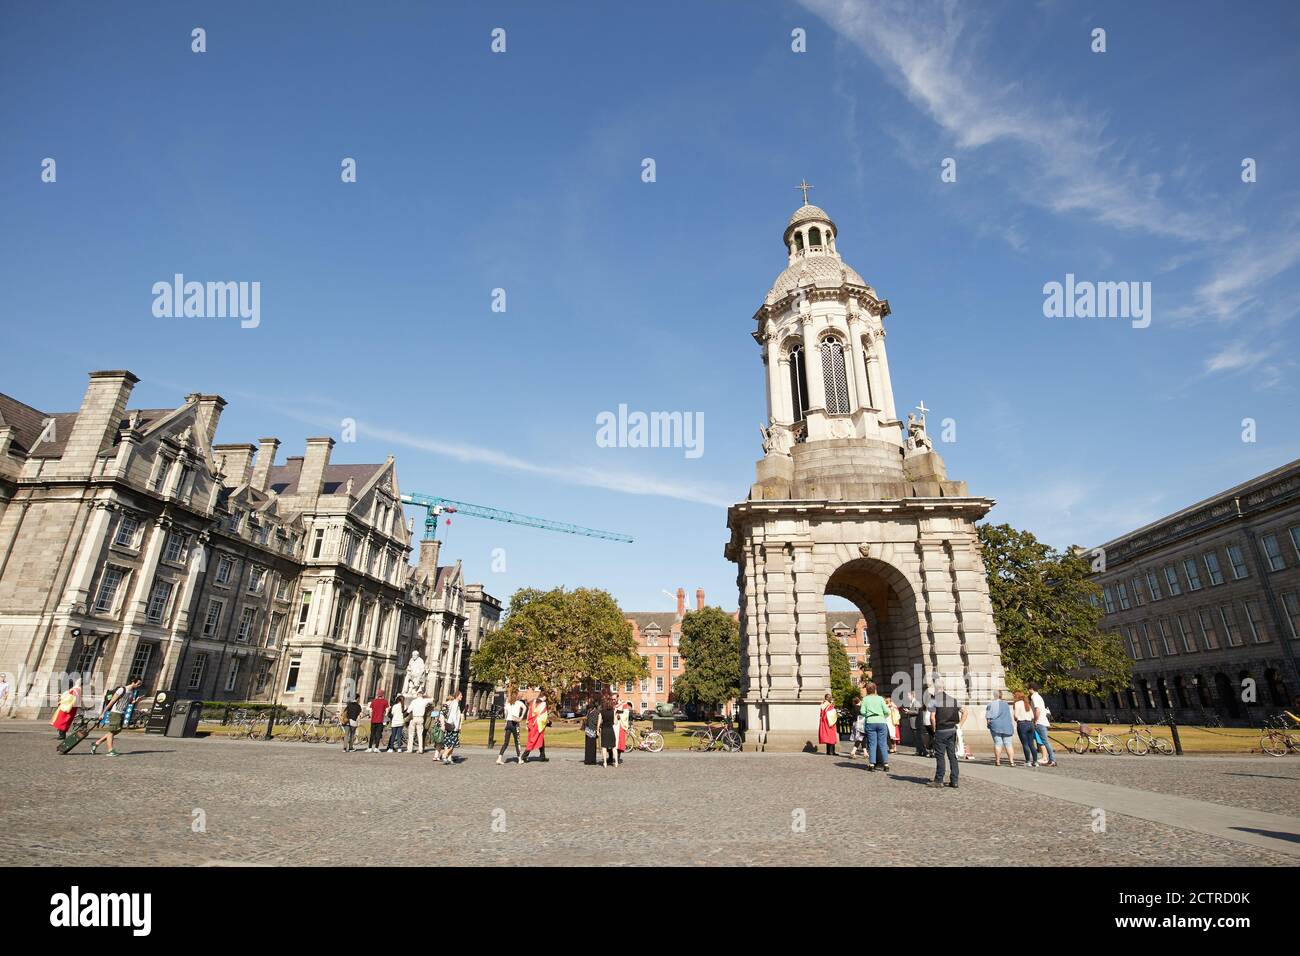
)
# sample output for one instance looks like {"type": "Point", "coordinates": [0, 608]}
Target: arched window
{"type": "Point", "coordinates": [814, 236]}
{"type": "Point", "coordinates": [798, 241]}
{"type": "Point", "coordinates": [798, 384]}
{"type": "Point", "coordinates": [833, 375]}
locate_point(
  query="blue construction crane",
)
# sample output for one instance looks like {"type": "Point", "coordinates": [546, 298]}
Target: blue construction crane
{"type": "Point", "coordinates": [435, 506]}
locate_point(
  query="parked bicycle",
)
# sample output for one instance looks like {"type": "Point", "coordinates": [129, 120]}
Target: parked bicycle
{"type": "Point", "coordinates": [1142, 741]}
{"type": "Point", "coordinates": [1092, 739]}
{"type": "Point", "coordinates": [651, 740]}
{"type": "Point", "coordinates": [1281, 735]}
{"type": "Point", "coordinates": [717, 737]}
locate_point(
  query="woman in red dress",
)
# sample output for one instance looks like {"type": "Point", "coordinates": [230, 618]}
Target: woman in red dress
{"type": "Point", "coordinates": [66, 712]}
{"type": "Point", "coordinates": [538, 717]}
{"type": "Point", "coordinates": [826, 731]}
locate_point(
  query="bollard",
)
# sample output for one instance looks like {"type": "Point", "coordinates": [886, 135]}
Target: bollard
{"type": "Point", "coordinates": [1173, 729]}
{"type": "Point", "coordinates": [492, 729]}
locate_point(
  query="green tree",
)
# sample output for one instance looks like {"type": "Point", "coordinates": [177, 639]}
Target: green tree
{"type": "Point", "coordinates": [556, 639]}
{"type": "Point", "coordinates": [1047, 614]}
{"type": "Point", "coordinates": [711, 654]}
{"type": "Point", "coordinates": [842, 686]}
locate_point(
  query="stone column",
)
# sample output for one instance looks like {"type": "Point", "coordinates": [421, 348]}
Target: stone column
{"type": "Point", "coordinates": [937, 587]}
{"type": "Point", "coordinates": [858, 356]}
{"type": "Point", "coordinates": [92, 545]}
{"type": "Point", "coordinates": [886, 399]}
{"type": "Point", "coordinates": [772, 364]}
{"type": "Point", "coordinates": [812, 363]}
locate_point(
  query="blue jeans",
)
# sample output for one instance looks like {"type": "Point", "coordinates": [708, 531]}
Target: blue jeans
{"type": "Point", "coordinates": [945, 745]}
{"type": "Point", "coordinates": [1025, 730]}
{"type": "Point", "coordinates": [1047, 742]}
{"type": "Point", "coordinates": [395, 739]}
{"type": "Point", "coordinates": [878, 744]}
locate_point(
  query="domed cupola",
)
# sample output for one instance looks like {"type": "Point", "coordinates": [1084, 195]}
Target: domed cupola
{"type": "Point", "coordinates": [810, 231]}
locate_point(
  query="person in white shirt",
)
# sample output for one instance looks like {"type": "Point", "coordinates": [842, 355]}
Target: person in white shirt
{"type": "Point", "coordinates": [451, 717]}
{"type": "Point", "coordinates": [397, 718]}
{"type": "Point", "coordinates": [1042, 721]}
{"type": "Point", "coordinates": [415, 734]}
{"type": "Point", "coordinates": [516, 710]}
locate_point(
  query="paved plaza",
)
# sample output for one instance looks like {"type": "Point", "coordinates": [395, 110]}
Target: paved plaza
{"type": "Point", "coordinates": [211, 802]}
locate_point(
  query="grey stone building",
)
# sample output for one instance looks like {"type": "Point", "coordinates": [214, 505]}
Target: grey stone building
{"type": "Point", "coordinates": [1207, 603]}
{"type": "Point", "coordinates": [132, 545]}
{"type": "Point", "coordinates": [482, 617]}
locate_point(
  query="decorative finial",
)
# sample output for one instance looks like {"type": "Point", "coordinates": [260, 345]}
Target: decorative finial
{"type": "Point", "coordinates": [805, 186]}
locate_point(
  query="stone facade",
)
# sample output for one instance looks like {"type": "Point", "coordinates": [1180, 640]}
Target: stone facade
{"type": "Point", "coordinates": [131, 544]}
{"type": "Point", "coordinates": [482, 617]}
{"type": "Point", "coordinates": [1207, 602]}
{"type": "Point", "coordinates": [848, 500]}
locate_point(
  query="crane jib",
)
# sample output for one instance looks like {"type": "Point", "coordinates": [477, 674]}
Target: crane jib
{"type": "Point", "coordinates": [435, 505]}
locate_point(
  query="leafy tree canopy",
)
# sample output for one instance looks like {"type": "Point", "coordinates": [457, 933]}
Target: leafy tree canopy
{"type": "Point", "coordinates": [711, 653]}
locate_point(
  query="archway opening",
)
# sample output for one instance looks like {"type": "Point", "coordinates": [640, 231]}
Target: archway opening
{"type": "Point", "coordinates": [891, 632]}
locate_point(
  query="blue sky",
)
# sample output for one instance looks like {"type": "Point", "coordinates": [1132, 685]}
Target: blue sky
{"type": "Point", "coordinates": [522, 171]}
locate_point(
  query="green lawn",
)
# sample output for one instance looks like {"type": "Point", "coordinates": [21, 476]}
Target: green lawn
{"type": "Point", "coordinates": [1195, 740]}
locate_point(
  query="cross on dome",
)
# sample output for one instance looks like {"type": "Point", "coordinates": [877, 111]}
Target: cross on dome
{"type": "Point", "coordinates": [805, 186]}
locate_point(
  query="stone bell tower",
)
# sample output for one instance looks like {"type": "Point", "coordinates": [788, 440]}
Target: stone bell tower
{"type": "Point", "coordinates": [850, 501]}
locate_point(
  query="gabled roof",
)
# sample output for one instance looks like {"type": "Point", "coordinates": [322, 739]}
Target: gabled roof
{"type": "Point", "coordinates": [29, 423]}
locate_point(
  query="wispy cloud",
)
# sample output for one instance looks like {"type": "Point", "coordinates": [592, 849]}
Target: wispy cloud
{"type": "Point", "coordinates": [929, 51]}
{"type": "Point", "coordinates": [632, 483]}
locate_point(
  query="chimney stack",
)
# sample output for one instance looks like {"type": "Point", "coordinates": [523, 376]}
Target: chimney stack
{"type": "Point", "coordinates": [312, 480]}
{"type": "Point", "coordinates": [266, 449]}
{"type": "Point", "coordinates": [102, 409]}
{"type": "Point", "coordinates": [699, 599]}
{"type": "Point", "coordinates": [235, 462]}
{"type": "Point", "coordinates": [681, 602]}
{"type": "Point", "coordinates": [429, 554]}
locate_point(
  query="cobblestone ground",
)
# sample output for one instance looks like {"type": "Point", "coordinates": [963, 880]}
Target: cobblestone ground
{"type": "Point", "coordinates": [1257, 783]}
{"type": "Point", "coordinates": [283, 803]}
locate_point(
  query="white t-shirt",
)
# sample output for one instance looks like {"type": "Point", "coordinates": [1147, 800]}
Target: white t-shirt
{"type": "Point", "coordinates": [398, 717]}
{"type": "Point", "coordinates": [1036, 702]}
{"type": "Point", "coordinates": [516, 711]}
{"type": "Point", "coordinates": [418, 706]}
{"type": "Point", "coordinates": [453, 715]}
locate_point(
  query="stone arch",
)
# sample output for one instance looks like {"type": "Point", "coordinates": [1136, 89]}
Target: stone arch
{"type": "Point", "coordinates": [889, 601]}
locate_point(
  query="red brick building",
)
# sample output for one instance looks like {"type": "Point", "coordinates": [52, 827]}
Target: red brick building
{"type": "Point", "coordinates": [851, 630]}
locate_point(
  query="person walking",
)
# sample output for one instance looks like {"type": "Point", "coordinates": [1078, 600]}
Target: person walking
{"type": "Point", "coordinates": [117, 714]}
{"type": "Point", "coordinates": [608, 733]}
{"type": "Point", "coordinates": [946, 717]}
{"type": "Point", "coordinates": [895, 718]}
{"type": "Point", "coordinates": [875, 715]}
{"type": "Point", "coordinates": [515, 711]}
{"type": "Point", "coordinates": [997, 714]}
{"type": "Point", "coordinates": [378, 714]}
{"type": "Point", "coordinates": [1042, 723]}
{"type": "Point", "coordinates": [351, 714]}
{"type": "Point", "coordinates": [397, 720]}
{"type": "Point", "coordinates": [538, 717]}
{"type": "Point", "coordinates": [1023, 715]}
{"type": "Point", "coordinates": [591, 733]}
{"type": "Point", "coordinates": [416, 712]}
{"type": "Point", "coordinates": [827, 733]}
{"type": "Point", "coordinates": [66, 712]}
{"type": "Point", "coordinates": [451, 721]}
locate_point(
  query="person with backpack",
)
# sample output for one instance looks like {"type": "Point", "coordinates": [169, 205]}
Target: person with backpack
{"type": "Point", "coordinates": [116, 712]}
{"type": "Point", "coordinates": [351, 714]}
{"type": "Point", "coordinates": [451, 720]}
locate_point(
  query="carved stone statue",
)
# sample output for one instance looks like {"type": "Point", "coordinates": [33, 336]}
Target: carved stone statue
{"type": "Point", "coordinates": [917, 439]}
{"type": "Point", "coordinates": [416, 671]}
{"type": "Point", "coordinates": [777, 438]}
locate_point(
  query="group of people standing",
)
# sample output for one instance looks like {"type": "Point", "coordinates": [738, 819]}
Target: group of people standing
{"type": "Point", "coordinates": [605, 729]}
{"type": "Point", "coordinates": [1028, 718]}
{"type": "Point", "coordinates": [537, 715]}
{"type": "Point", "coordinates": [441, 726]}
{"type": "Point", "coordinates": [875, 732]}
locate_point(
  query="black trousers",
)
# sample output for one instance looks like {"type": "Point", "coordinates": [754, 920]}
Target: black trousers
{"type": "Point", "coordinates": [512, 730]}
{"type": "Point", "coordinates": [589, 751]}
{"type": "Point", "coordinates": [376, 735]}
{"type": "Point", "coordinates": [945, 746]}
